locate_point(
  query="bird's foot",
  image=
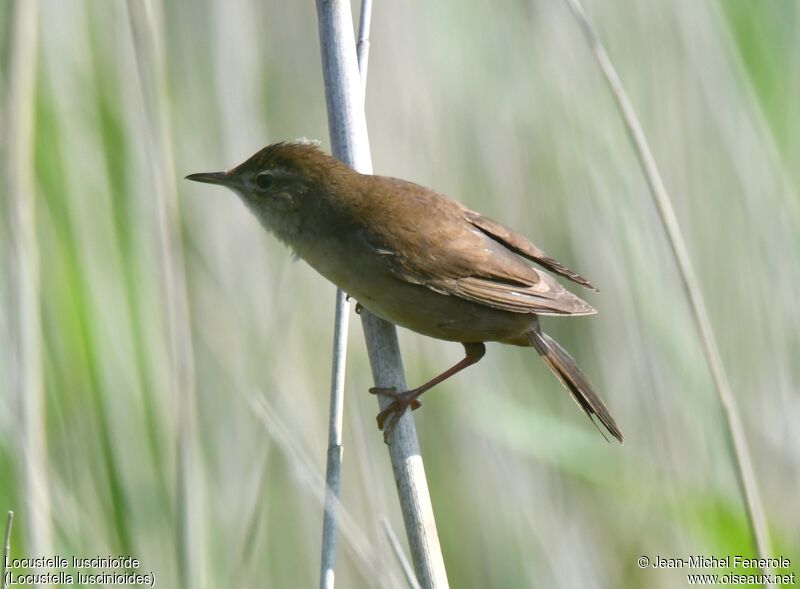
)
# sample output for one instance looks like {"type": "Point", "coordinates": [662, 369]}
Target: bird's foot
{"type": "Point", "coordinates": [389, 417]}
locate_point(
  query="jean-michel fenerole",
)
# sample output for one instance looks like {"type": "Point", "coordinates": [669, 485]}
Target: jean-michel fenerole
{"type": "Point", "coordinates": [735, 561]}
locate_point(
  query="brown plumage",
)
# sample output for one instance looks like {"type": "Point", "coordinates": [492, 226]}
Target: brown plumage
{"type": "Point", "coordinates": [416, 258]}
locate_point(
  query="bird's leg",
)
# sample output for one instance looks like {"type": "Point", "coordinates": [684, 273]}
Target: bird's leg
{"type": "Point", "coordinates": [410, 399]}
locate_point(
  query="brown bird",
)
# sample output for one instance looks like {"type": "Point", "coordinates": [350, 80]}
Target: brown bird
{"type": "Point", "coordinates": [416, 258]}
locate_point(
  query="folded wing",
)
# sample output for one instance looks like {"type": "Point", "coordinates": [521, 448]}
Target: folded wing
{"type": "Point", "coordinates": [455, 251]}
{"type": "Point", "coordinates": [520, 245]}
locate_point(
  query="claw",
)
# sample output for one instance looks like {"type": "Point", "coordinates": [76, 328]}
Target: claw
{"type": "Point", "coordinates": [389, 417]}
{"type": "Point", "coordinates": [359, 308]}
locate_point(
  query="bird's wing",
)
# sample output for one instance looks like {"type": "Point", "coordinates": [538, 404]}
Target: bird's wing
{"type": "Point", "coordinates": [479, 269]}
{"type": "Point", "coordinates": [455, 251]}
{"type": "Point", "coordinates": [520, 245]}
{"type": "Point", "coordinates": [546, 297]}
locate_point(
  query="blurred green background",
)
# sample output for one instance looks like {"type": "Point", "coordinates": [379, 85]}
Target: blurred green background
{"type": "Point", "coordinates": [501, 106]}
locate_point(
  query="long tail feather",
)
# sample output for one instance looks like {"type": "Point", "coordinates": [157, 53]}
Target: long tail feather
{"type": "Point", "coordinates": [567, 371]}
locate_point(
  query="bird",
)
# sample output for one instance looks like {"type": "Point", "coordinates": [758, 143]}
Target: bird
{"type": "Point", "coordinates": [416, 258]}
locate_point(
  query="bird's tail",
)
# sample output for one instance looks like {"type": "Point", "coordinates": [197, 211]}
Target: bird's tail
{"type": "Point", "coordinates": [567, 371]}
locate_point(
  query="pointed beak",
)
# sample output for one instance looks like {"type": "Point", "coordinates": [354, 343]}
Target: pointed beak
{"type": "Point", "coordinates": [221, 178]}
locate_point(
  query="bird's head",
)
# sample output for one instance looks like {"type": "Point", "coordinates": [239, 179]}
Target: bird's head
{"type": "Point", "coordinates": [284, 184]}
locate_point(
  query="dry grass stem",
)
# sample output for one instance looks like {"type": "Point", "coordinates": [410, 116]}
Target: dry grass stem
{"type": "Point", "coordinates": [366, 558]}
{"type": "Point", "coordinates": [27, 368]}
{"type": "Point", "coordinates": [7, 547]}
{"type": "Point", "coordinates": [397, 549]}
{"type": "Point", "coordinates": [735, 430]}
{"type": "Point", "coordinates": [145, 21]}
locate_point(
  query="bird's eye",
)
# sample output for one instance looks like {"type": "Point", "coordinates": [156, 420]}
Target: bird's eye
{"type": "Point", "coordinates": [265, 180]}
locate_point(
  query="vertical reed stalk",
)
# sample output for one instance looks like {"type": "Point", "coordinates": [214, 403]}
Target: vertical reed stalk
{"type": "Point", "coordinates": [362, 48]}
{"type": "Point", "coordinates": [347, 126]}
{"type": "Point", "coordinates": [333, 472]}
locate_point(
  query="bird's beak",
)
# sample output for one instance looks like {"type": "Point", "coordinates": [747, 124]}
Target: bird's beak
{"type": "Point", "coordinates": [221, 178]}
